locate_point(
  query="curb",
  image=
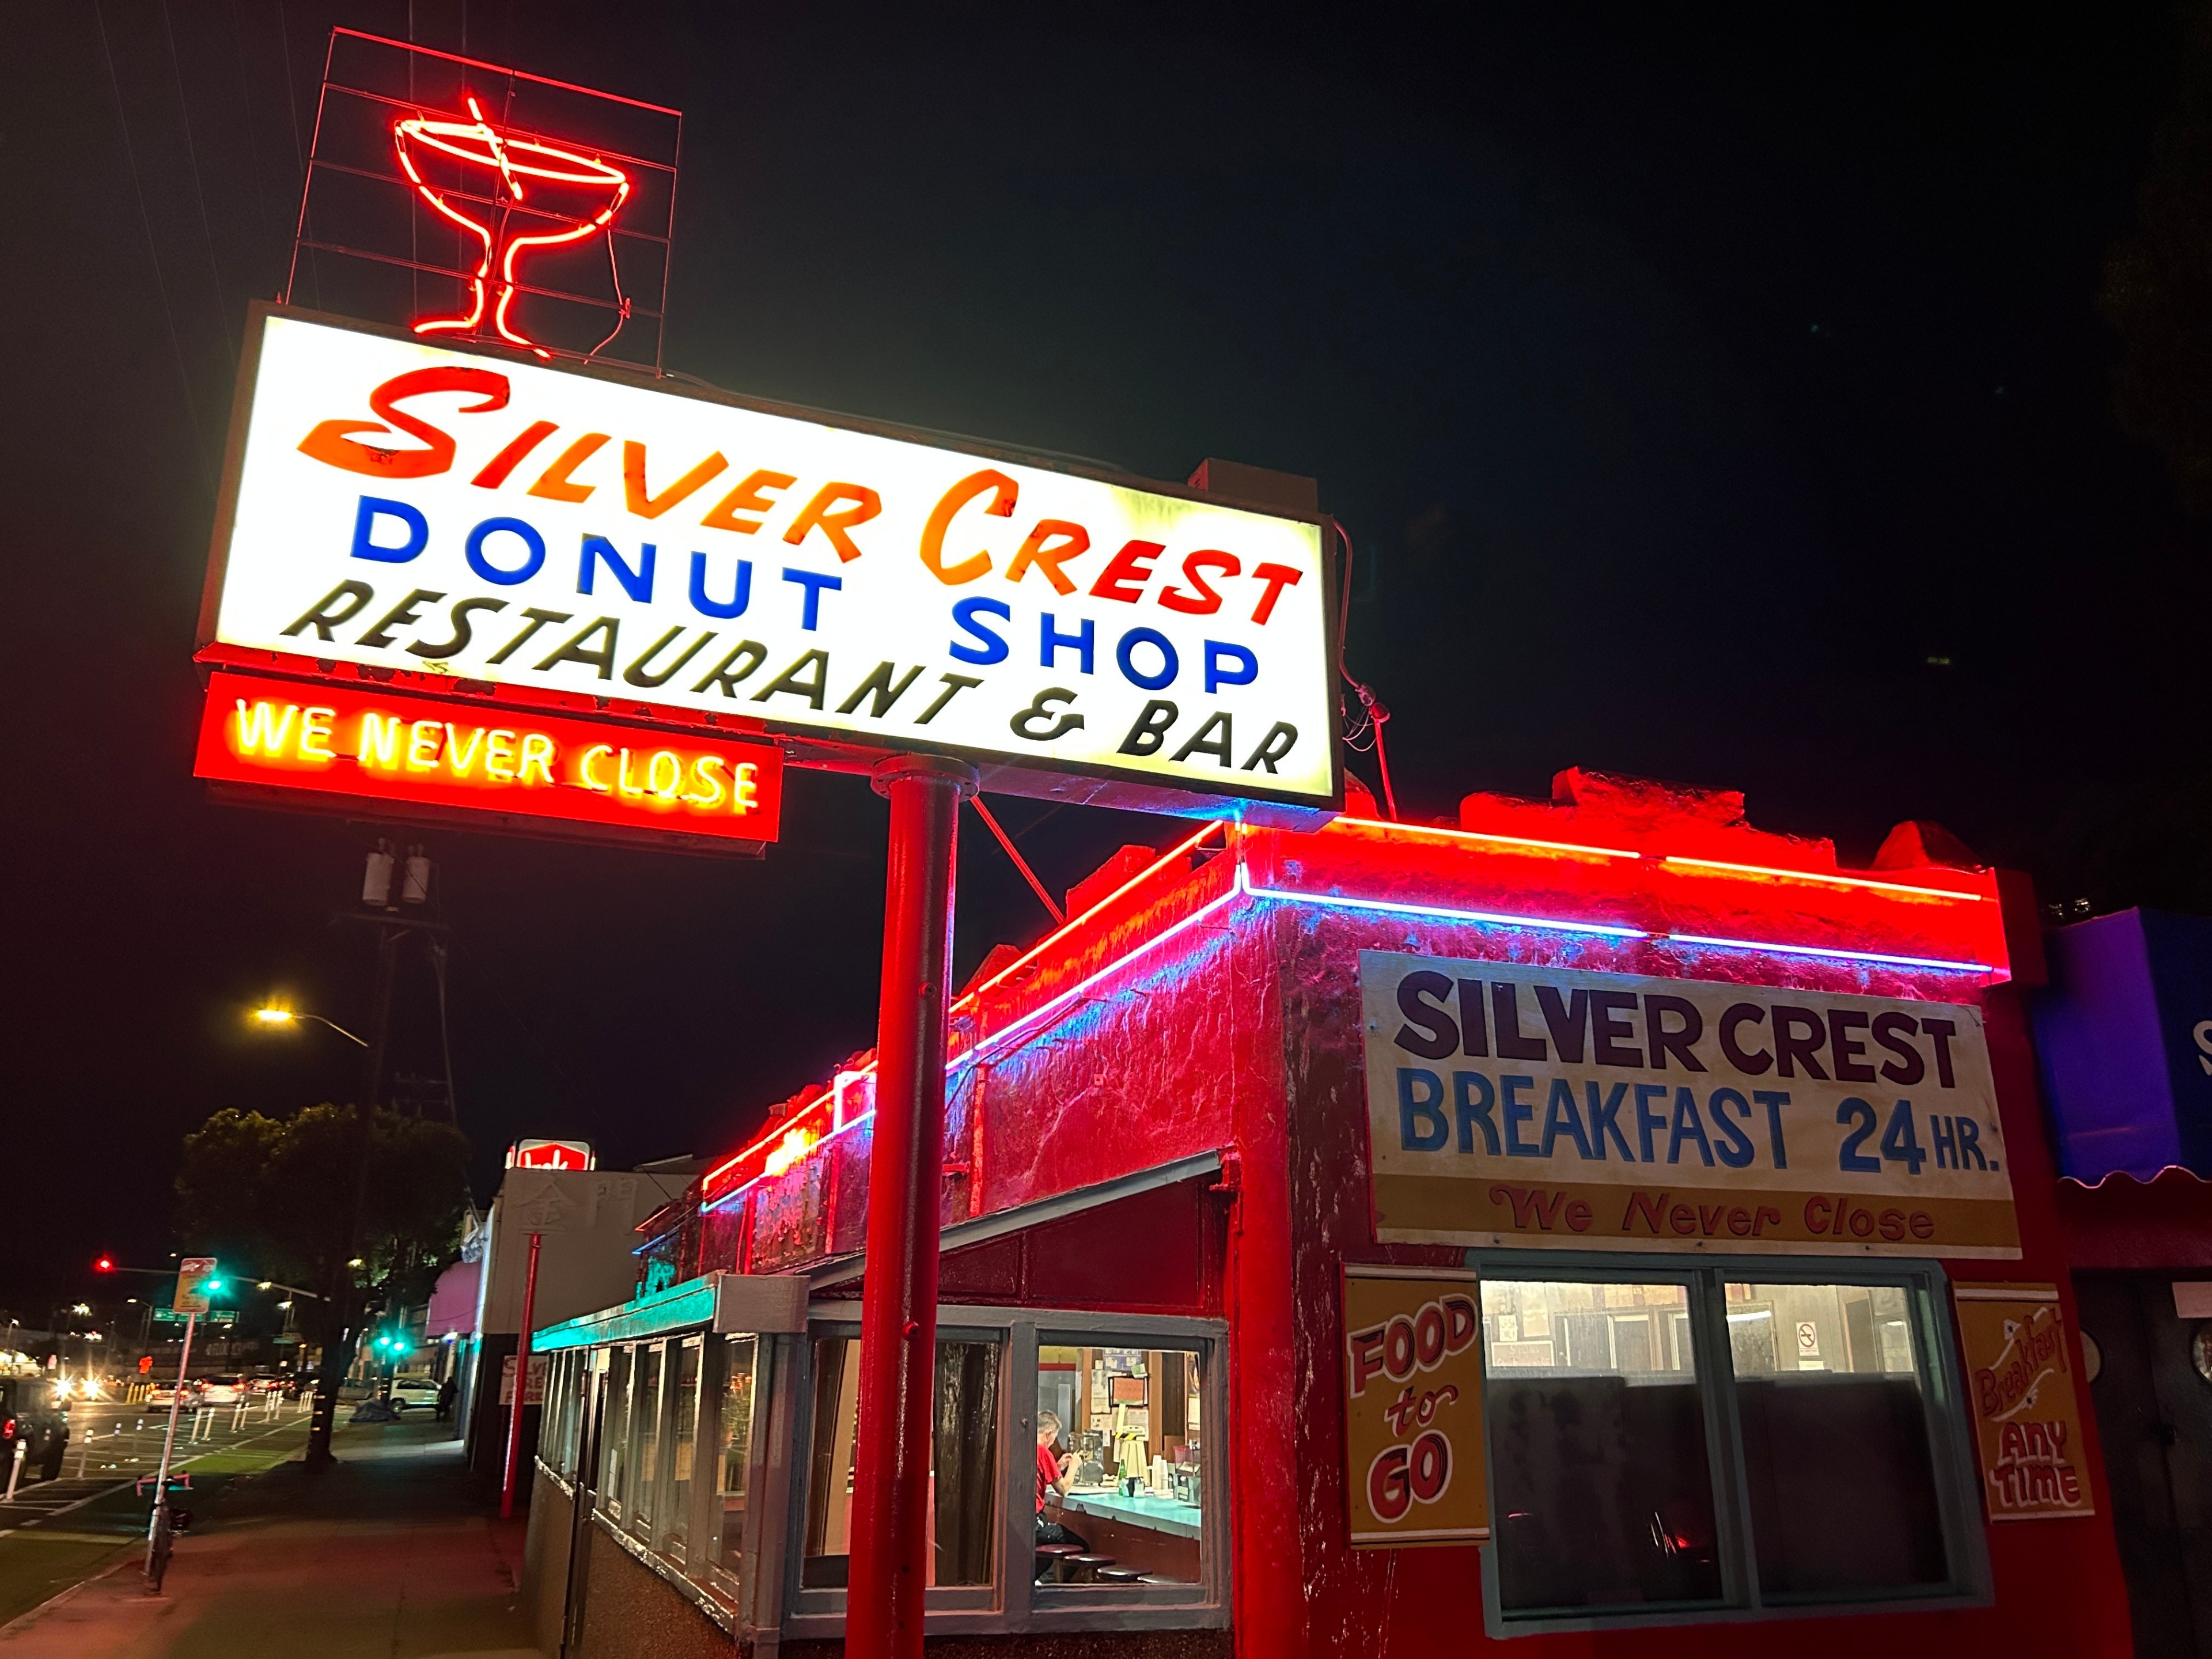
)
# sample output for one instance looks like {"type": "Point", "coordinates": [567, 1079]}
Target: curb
{"type": "Point", "coordinates": [23, 1621]}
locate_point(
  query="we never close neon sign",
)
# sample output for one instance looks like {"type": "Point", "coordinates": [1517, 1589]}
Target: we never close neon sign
{"type": "Point", "coordinates": [376, 750]}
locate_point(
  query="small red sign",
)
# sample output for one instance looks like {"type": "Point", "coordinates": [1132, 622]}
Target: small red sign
{"type": "Point", "coordinates": [551, 1155]}
{"type": "Point", "coordinates": [373, 750]}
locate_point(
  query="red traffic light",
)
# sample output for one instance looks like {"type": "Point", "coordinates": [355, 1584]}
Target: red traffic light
{"type": "Point", "coordinates": [104, 1265]}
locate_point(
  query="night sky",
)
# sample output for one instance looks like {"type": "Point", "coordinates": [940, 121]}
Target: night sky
{"type": "Point", "coordinates": [1717, 397]}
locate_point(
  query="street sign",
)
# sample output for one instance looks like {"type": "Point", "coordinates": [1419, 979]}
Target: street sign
{"type": "Point", "coordinates": [540, 1367]}
{"type": "Point", "coordinates": [568, 536]}
{"type": "Point", "coordinates": [215, 1316]}
{"type": "Point", "coordinates": [367, 750]}
{"type": "Point", "coordinates": [197, 1276]}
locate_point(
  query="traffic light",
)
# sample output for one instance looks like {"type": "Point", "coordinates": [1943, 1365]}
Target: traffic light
{"type": "Point", "coordinates": [104, 1265]}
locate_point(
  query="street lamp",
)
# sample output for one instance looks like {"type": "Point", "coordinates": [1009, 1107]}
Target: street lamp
{"type": "Point", "coordinates": [273, 1016]}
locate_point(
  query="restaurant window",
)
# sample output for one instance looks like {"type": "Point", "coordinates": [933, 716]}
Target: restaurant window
{"type": "Point", "coordinates": [725, 1541]}
{"type": "Point", "coordinates": [644, 1413]}
{"type": "Point", "coordinates": [683, 1437]}
{"type": "Point", "coordinates": [614, 1435]}
{"type": "Point", "coordinates": [1119, 1479]}
{"type": "Point", "coordinates": [574, 1373]}
{"type": "Point", "coordinates": [1673, 1441]}
{"type": "Point", "coordinates": [1602, 1477]}
{"type": "Point", "coordinates": [552, 1433]}
{"type": "Point", "coordinates": [963, 1475]}
{"type": "Point", "coordinates": [1829, 1391]}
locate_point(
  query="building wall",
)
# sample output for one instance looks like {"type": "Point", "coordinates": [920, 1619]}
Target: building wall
{"type": "Point", "coordinates": [1076, 1644]}
{"type": "Point", "coordinates": [545, 1559]}
{"type": "Point", "coordinates": [630, 1610]}
{"type": "Point", "coordinates": [584, 1261]}
{"type": "Point", "coordinates": [2057, 1583]}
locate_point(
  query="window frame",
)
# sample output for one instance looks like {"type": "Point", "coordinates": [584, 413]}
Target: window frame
{"type": "Point", "coordinates": [1952, 1457]}
{"type": "Point", "coordinates": [663, 1530]}
{"type": "Point", "coordinates": [1011, 1606]}
{"type": "Point", "coordinates": [707, 1565]}
{"type": "Point", "coordinates": [649, 1486]}
{"type": "Point", "coordinates": [720, 1591]}
{"type": "Point", "coordinates": [615, 1437]}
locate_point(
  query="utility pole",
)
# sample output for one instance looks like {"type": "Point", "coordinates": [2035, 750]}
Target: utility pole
{"type": "Point", "coordinates": [385, 911]}
{"type": "Point", "coordinates": [898, 1295]}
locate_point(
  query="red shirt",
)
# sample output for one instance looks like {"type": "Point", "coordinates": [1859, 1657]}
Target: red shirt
{"type": "Point", "coordinates": [1047, 1473]}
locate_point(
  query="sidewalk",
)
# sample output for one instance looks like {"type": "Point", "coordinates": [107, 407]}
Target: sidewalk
{"type": "Point", "coordinates": [391, 1554]}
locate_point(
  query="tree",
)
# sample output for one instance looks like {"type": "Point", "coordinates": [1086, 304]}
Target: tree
{"type": "Point", "coordinates": [2157, 290]}
{"type": "Point", "coordinates": [280, 1194]}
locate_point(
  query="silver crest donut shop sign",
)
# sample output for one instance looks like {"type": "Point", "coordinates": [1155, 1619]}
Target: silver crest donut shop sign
{"type": "Point", "coordinates": [410, 509]}
{"type": "Point", "coordinates": [484, 528]}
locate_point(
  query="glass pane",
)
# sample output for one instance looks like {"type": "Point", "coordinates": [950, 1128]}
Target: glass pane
{"type": "Point", "coordinates": [549, 1424]}
{"type": "Point", "coordinates": [614, 1433]}
{"type": "Point", "coordinates": [645, 1418]}
{"type": "Point", "coordinates": [1828, 1387]}
{"type": "Point", "coordinates": [581, 1381]}
{"type": "Point", "coordinates": [684, 1433]}
{"type": "Point", "coordinates": [560, 1390]}
{"type": "Point", "coordinates": [1602, 1488]}
{"type": "Point", "coordinates": [735, 1430]}
{"type": "Point", "coordinates": [1120, 1492]}
{"type": "Point", "coordinates": [963, 1463]}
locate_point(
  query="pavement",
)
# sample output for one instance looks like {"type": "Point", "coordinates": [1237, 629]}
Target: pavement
{"type": "Point", "coordinates": [53, 1533]}
{"type": "Point", "coordinates": [394, 1552]}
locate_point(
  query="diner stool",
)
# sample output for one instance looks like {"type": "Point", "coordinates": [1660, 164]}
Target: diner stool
{"type": "Point", "coordinates": [1052, 1559]}
{"type": "Point", "coordinates": [1162, 1579]}
{"type": "Point", "coordinates": [1119, 1575]}
{"type": "Point", "coordinates": [1083, 1569]}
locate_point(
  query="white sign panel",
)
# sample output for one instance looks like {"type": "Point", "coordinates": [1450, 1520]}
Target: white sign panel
{"type": "Point", "coordinates": [1557, 1108]}
{"type": "Point", "coordinates": [408, 506]}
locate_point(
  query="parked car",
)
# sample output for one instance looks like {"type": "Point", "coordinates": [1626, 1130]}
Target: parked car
{"type": "Point", "coordinates": [410, 1393]}
{"type": "Point", "coordinates": [30, 1417]}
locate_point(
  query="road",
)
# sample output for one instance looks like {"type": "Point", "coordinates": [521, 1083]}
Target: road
{"type": "Point", "coordinates": [110, 1443]}
{"type": "Point", "coordinates": [58, 1532]}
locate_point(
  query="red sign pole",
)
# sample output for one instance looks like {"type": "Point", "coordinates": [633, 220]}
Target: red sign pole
{"type": "Point", "coordinates": [898, 1303]}
{"type": "Point", "coordinates": [521, 1386]}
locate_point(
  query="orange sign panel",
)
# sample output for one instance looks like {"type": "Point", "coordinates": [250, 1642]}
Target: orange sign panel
{"type": "Point", "coordinates": [1414, 1471]}
{"type": "Point", "coordinates": [394, 754]}
{"type": "Point", "coordinates": [2027, 1424]}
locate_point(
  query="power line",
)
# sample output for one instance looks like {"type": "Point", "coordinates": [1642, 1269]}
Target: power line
{"type": "Point", "coordinates": [199, 191]}
{"type": "Point", "coordinates": [154, 253]}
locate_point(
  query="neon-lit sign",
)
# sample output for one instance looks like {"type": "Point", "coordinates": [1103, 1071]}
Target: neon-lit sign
{"type": "Point", "coordinates": [1812, 915]}
{"type": "Point", "coordinates": [793, 1146]}
{"type": "Point", "coordinates": [470, 200]}
{"type": "Point", "coordinates": [369, 748]}
{"type": "Point", "coordinates": [1551, 1107]}
{"type": "Point", "coordinates": [406, 507]}
{"type": "Point", "coordinates": [509, 161]}
{"type": "Point", "coordinates": [551, 1155]}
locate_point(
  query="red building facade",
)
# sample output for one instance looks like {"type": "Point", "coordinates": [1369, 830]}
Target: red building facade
{"type": "Point", "coordinates": [1160, 1164]}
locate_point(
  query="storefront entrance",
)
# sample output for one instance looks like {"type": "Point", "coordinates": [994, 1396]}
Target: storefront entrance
{"type": "Point", "coordinates": [2153, 1403]}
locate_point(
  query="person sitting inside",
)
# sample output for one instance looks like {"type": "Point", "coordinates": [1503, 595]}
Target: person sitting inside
{"type": "Point", "coordinates": [1052, 1476]}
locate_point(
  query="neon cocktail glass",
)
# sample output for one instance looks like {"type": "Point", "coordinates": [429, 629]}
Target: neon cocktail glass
{"type": "Point", "coordinates": [519, 169]}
